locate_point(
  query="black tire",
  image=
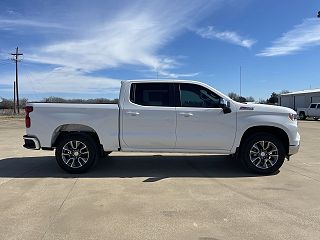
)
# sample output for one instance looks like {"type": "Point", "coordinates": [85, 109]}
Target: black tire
{"type": "Point", "coordinates": [271, 154]}
{"type": "Point", "coordinates": [105, 154]}
{"type": "Point", "coordinates": [316, 118]}
{"type": "Point", "coordinates": [302, 116]}
{"type": "Point", "coordinates": [79, 159]}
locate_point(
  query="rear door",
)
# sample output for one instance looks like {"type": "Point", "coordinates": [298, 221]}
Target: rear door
{"type": "Point", "coordinates": [148, 117]}
{"type": "Point", "coordinates": [201, 123]}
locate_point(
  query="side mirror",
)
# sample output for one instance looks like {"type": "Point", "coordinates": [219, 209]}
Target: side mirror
{"type": "Point", "coordinates": [225, 105]}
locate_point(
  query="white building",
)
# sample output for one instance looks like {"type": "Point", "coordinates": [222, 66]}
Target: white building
{"type": "Point", "coordinates": [299, 99]}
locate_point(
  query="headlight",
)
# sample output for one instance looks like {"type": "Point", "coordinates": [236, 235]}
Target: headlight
{"type": "Point", "coordinates": [292, 117]}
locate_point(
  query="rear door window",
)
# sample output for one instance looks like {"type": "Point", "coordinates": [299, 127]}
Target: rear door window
{"type": "Point", "coordinates": [313, 105]}
{"type": "Point", "coordinates": [152, 94]}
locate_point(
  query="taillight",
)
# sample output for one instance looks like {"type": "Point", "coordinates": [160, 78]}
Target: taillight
{"type": "Point", "coordinates": [28, 110]}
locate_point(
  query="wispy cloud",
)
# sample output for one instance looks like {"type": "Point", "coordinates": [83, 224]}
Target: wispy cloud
{"type": "Point", "coordinates": [134, 35]}
{"type": "Point", "coordinates": [167, 74]}
{"type": "Point", "coordinates": [61, 80]}
{"type": "Point", "coordinates": [15, 23]}
{"type": "Point", "coordinates": [301, 37]}
{"type": "Point", "coordinates": [96, 39]}
{"type": "Point", "coordinates": [228, 36]}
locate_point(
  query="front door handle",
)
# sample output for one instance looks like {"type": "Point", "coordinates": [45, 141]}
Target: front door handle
{"type": "Point", "coordinates": [133, 113]}
{"type": "Point", "coordinates": [186, 114]}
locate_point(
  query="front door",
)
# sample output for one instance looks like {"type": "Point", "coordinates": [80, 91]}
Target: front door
{"type": "Point", "coordinates": [201, 122]}
{"type": "Point", "coordinates": [312, 110]}
{"type": "Point", "coordinates": [317, 111]}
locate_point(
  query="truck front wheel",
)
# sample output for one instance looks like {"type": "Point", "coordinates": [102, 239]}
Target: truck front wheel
{"type": "Point", "coordinates": [262, 153]}
{"type": "Point", "coordinates": [76, 153]}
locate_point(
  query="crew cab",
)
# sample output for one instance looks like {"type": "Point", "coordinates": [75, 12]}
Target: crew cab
{"type": "Point", "coordinates": [164, 116]}
{"type": "Point", "coordinates": [312, 111]}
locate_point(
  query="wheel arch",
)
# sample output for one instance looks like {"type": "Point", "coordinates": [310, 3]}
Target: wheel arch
{"type": "Point", "coordinates": [276, 131]}
{"type": "Point", "coordinates": [66, 129]}
{"type": "Point", "coordinates": [302, 115]}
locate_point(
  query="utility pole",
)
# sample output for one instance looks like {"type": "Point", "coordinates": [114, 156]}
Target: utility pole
{"type": "Point", "coordinates": [16, 60]}
{"type": "Point", "coordinates": [14, 97]}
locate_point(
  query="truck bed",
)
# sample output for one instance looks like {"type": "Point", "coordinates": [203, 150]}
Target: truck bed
{"type": "Point", "coordinates": [50, 118]}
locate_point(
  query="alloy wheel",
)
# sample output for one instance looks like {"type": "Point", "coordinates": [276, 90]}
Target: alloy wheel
{"type": "Point", "coordinates": [264, 154]}
{"type": "Point", "coordinates": [75, 154]}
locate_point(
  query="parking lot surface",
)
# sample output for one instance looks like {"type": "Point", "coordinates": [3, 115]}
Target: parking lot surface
{"type": "Point", "coordinates": [157, 196]}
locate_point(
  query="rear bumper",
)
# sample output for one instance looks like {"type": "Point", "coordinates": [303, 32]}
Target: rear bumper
{"type": "Point", "coordinates": [31, 142]}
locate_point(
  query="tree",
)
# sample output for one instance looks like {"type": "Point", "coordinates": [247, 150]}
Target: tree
{"type": "Point", "coordinates": [239, 98]}
{"type": "Point", "coordinates": [284, 92]}
{"type": "Point", "coordinates": [233, 96]}
{"type": "Point", "coordinates": [8, 103]}
{"type": "Point", "coordinates": [250, 99]}
{"type": "Point", "coordinates": [273, 98]}
{"type": "Point", "coordinates": [91, 101]}
{"type": "Point", "coordinates": [262, 101]}
{"type": "Point", "coordinates": [242, 99]}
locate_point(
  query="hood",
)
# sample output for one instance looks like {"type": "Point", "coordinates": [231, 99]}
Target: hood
{"type": "Point", "coordinates": [265, 108]}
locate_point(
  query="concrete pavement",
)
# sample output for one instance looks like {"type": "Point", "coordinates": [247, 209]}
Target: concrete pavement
{"type": "Point", "coordinates": [153, 196]}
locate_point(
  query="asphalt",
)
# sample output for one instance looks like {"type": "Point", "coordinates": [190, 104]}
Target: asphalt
{"type": "Point", "coordinates": [157, 196]}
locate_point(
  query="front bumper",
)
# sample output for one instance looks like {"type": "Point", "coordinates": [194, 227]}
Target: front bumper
{"type": "Point", "coordinates": [31, 142]}
{"type": "Point", "coordinates": [294, 145]}
{"type": "Point", "coordinates": [293, 149]}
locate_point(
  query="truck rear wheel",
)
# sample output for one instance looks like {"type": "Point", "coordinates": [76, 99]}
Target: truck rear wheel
{"type": "Point", "coordinates": [302, 115]}
{"type": "Point", "coordinates": [262, 153]}
{"type": "Point", "coordinates": [76, 153]}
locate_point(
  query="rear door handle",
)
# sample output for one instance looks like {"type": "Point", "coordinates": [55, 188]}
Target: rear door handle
{"type": "Point", "coordinates": [133, 113]}
{"type": "Point", "coordinates": [186, 114]}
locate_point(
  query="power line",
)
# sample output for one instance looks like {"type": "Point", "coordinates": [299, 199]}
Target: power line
{"type": "Point", "coordinates": [16, 60]}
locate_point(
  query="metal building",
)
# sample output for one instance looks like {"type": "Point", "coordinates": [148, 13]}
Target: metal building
{"type": "Point", "coordinates": [299, 99]}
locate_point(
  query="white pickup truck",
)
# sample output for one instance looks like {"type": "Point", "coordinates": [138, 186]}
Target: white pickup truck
{"type": "Point", "coordinates": [164, 116]}
{"type": "Point", "coordinates": [312, 111]}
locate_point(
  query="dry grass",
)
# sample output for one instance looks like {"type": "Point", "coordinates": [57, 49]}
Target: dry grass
{"type": "Point", "coordinates": [8, 113]}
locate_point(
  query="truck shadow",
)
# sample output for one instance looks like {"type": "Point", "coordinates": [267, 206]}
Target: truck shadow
{"type": "Point", "coordinates": [153, 168]}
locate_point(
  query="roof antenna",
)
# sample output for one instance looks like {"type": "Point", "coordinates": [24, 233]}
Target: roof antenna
{"type": "Point", "coordinates": [157, 73]}
{"type": "Point", "coordinates": [240, 79]}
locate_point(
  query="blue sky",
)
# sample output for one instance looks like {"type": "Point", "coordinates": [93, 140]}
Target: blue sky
{"type": "Point", "coordinates": [84, 48]}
